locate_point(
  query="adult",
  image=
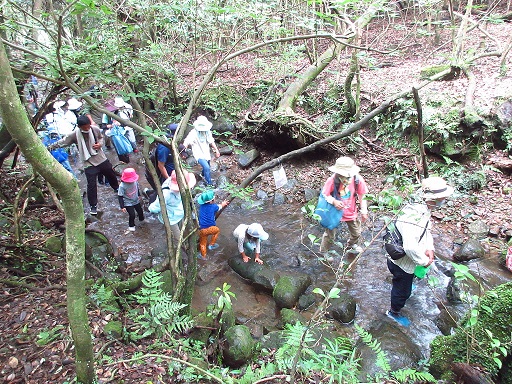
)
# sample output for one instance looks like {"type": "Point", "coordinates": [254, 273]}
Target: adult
{"type": "Point", "coordinates": [89, 141]}
{"type": "Point", "coordinates": [248, 238]}
{"type": "Point", "coordinates": [343, 190]}
{"type": "Point", "coordinates": [173, 203]}
{"type": "Point", "coordinates": [414, 225]}
{"type": "Point", "coordinates": [74, 106]}
{"type": "Point", "coordinates": [61, 118]}
{"type": "Point", "coordinates": [162, 159]}
{"type": "Point", "coordinates": [125, 111]}
{"type": "Point", "coordinates": [200, 139]}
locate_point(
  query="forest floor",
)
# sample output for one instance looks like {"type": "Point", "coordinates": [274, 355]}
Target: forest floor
{"type": "Point", "coordinates": [35, 345]}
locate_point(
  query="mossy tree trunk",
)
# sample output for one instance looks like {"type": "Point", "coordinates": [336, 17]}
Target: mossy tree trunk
{"type": "Point", "coordinates": [14, 115]}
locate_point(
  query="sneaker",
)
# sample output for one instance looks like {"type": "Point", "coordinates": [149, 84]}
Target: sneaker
{"type": "Point", "coordinates": [200, 257]}
{"type": "Point", "coordinates": [131, 229]}
{"type": "Point", "coordinates": [400, 319]}
{"type": "Point", "coordinates": [94, 210]}
{"type": "Point", "coordinates": [145, 193]}
{"type": "Point", "coordinates": [213, 246]}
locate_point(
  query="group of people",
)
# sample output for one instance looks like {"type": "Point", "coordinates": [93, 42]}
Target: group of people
{"type": "Point", "coordinates": [345, 190]}
{"type": "Point", "coordinates": [345, 187]}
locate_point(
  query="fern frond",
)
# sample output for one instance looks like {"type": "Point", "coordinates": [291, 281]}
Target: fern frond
{"type": "Point", "coordinates": [382, 360]}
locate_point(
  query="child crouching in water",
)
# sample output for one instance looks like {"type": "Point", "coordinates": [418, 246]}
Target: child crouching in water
{"type": "Point", "coordinates": [129, 196]}
{"type": "Point", "coordinates": [207, 223]}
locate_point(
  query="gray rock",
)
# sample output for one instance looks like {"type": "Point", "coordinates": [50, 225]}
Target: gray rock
{"type": "Point", "coordinates": [342, 309]}
{"type": "Point", "coordinates": [290, 184]}
{"type": "Point", "coordinates": [266, 277]}
{"type": "Point", "coordinates": [289, 288]}
{"type": "Point", "coordinates": [289, 316]}
{"type": "Point", "coordinates": [478, 230]}
{"type": "Point", "coordinates": [453, 291]}
{"type": "Point", "coordinates": [191, 161]}
{"type": "Point", "coordinates": [504, 113]}
{"type": "Point", "coordinates": [222, 125]}
{"type": "Point", "coordinates": [239, 346]}
{"type": "Point", "coordinates": [226, 150]}
{"type": "Point", "coordinates": [259, 274]}
{"type": "Point", "coordinates": [447, 320]}
{"type": "Point", "coordinates": [273, 340]}
{"type": "Point", "coordinates": [261, 194]}
{"type": "Point", "coordinates": [471, 249]}
{"type": "Point", "coordinates": [222, 181]}
{"type": "Point", "coordinates": [247, 158]}
{"type": "Point", "coordinates": [310, 194]}
{"type": "Point", "coordinates": [279, 199]}
{"type": "Point", "coordinates": [306, 301]}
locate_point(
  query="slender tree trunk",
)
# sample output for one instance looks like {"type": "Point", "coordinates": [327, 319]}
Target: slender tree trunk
{"type": "Point", "coordinates": [14, 115]}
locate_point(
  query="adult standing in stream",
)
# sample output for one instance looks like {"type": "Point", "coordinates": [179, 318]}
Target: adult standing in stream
{"type": "Point", "coordinates": [414, 225]}
{"type": "Point", "coordinates": [343, 190]}
{"type": "Point", "coordinates": [89, 141]}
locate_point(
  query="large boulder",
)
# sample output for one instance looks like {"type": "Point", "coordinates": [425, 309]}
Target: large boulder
{"type": "Point", "coordinates": [342, 309]}
{"type": "Point", "coordinates": [259, 274]}
{"type": "Point", "coordinates": [239, 346]}
{"type": "Point", "coordinates": [247, 158]}
{"type": "Point", "coordinates": [289, 288]}
{"type": "Point", "coordinates": [471, 249]}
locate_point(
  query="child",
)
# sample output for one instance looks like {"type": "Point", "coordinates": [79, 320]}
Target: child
{"type": "Point", "coordinates": [207, 222]}
{"type": "Point", "coordinates": [128, 195]}
{"type": "Point", "coordinates": [249, 239]}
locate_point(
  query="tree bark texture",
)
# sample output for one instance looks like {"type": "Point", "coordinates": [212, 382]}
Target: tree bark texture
{"type": "Point", "coordinates": [14, 115]}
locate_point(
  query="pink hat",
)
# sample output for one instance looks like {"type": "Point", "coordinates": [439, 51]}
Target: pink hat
{"type": "Point", "coordinates": [129, 175]}
{"type": "Point", "coordinates": [173, 185]}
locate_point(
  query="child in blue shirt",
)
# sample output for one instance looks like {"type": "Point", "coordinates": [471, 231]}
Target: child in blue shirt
{"type": "Point", "coordinates": [207, 223]}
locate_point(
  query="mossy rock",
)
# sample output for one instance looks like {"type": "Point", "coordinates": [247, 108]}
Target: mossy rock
{"type": "Point", "coordinates": [289, 316]}
{"type": "Point", "coordinates": [239, 346]}
{"type": "Point", "coordinates": [113, 329]}
{"type": "Point", "coordinates": [202, 332]}
{"type": "Point", "coordinates": [454, 348]}
{"type": "Point", "coordinates": [428, 72]}
{"type": "Point", "coordinates": [53, 243]}
{"type": "Point", "coordinates": [227, 319]}
{"type": "Point", "coordinates": [289, 288]}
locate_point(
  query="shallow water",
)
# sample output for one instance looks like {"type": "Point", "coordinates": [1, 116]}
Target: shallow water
{"type": "Point", "coordinates": [289, 249]}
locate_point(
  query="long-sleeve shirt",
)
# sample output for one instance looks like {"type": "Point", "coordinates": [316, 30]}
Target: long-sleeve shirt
{"type": "Point", "coordinates": [173, 204]}
{"type": "Point", "coordinates": [411, 224]}
{"type": "Point", "coordinates": [200, 143]}
{"type": "Point", "coordinates": [128, 194]}
{"type": "Point", "coordinates": [241, 239]}
{"type": "Point", "coordinates": [94, 160]}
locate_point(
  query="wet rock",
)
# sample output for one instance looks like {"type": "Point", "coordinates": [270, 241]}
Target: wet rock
{"type": "Point", "coordinates": [267, 278]}
{"type": "Point", "coordinates": [290, 184]}
{"type": "Point", "coordinates": [239, 346]}
{"type": "Point", "coordinates": [453, 291]}
{"type": "Point", "coordinates": [261, 194]}
{"type": "Point", "coordinates": [247, 158]}
{"type": "Point", "coordinates": [400, 349]}
{"type": "Point", "coordinates": [306, 301]}
{"type": "Point", "coordinates": [289, 288]}
{"type": "Point", "coordinates": [279, 199]}
{"type": "Point", "coordinates": [53, 243]}
{"type": "Point", "coordinates": [447, 320]}
{"type": "Point", "coordinates": [222, 181]}
{"type": "Point", "coordinates": [289, 316]}
{"type": "Point", "coordinates": [246, 270]}
{"type": "Point", "coordinates": [203, 329]}
{"type": "Point", "coordinates": [310, 194]}
{"type": "Point", "coordinates": [342, 309]}
{"type": "Point", "coordinates": [208, 272]}
{"type": "Point", "coordinates": [471, 249]}
{"type": "Point", "coordinates": [251, 204]}
{"type": "Point", "coordinates": [114, 329]}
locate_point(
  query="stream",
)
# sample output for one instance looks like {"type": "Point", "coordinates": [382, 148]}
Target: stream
{"type": "Point", "coordinates": [369, 283]}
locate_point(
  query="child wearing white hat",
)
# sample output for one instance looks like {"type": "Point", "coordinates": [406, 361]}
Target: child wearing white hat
{"type": "Point", "coordinates": [249, 238]}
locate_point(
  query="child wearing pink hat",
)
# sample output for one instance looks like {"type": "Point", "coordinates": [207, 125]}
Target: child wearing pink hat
{"type": "Point", "coordinates": [129, 196]}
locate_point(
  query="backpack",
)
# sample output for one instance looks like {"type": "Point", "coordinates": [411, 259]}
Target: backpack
{"type": "Point", "coordinates": [393, 241]}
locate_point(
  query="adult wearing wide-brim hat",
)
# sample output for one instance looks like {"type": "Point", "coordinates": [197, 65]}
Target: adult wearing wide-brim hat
{"type": "Point", "coordinates": [200, 139]}
{"type": "Point", "coordinates": [344, 190]}
{"type": "Point", "coordinates": [173, 203]}
{"type": "Point", "coordinates": [74, 104]}
{"type": "Point", "coordinates": [414, 225]}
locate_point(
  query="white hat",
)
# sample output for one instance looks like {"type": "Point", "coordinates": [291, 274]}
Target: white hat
{"type": "Point", "coordinates": [74, 104]}
{"type": "Point", "coordinates": [58, 104]}
{"type": "Point", "coordinates": [202, 124]}
{"type": "Point", "coordinates": [119, 102]}
{"type": "Point", "coordinates": [256, 230]}
{"type": "Point", "coordinates": [345, 166]}
{"type": "Point", "coordinates": [435, 188]}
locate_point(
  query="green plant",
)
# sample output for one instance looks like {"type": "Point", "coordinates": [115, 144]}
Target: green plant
{"type": "Point", "coordinates": [160, 316]}
{"type": "Point", "coordinates": [104, 298]}
{"type": "Point", "coordinates": [49, 335]}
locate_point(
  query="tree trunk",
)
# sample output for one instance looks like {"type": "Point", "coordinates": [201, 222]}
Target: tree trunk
{"type": "Point", "coordinates": [14, 115]}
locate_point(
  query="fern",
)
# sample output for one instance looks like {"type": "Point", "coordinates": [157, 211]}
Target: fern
{"type": "Point", "coordinates": [251, 376]}
{"type": "Point", "coordinates": [297, 336]}
{"type": "Point", "coordinates": [410, 375]}
{"type": "Point", "coordinates": [382, 360]}
{"type": "Point", "coordinates": [161, 317]}
{"type": "Point", "coordinates": [105, 298]}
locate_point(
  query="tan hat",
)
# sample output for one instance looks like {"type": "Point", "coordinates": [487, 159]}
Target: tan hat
{"type": "Point", "coordinates": [345, 166]}
{"type": "Point", "coordinates": [435, 188]}
{"type": "Point", "coordinates": [202, 124]}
